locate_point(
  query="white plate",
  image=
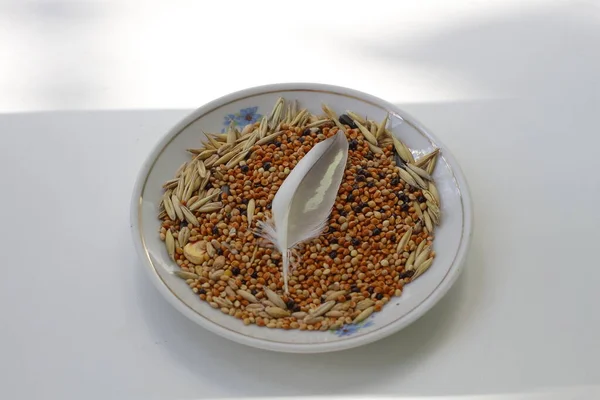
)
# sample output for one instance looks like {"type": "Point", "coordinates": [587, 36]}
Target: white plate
{"type": "Point", "coordinates": [451, 238]}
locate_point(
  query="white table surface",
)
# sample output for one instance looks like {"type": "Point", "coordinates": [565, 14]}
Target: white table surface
{"type": "Point", "coordinates": [81, 320]}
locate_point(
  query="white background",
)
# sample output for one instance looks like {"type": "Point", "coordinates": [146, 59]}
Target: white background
{"type": "Point", "coordinates": [87, 88]}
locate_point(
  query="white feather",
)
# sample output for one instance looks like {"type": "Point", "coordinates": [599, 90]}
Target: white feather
{"type": "Point", "coordinates": [306, 197]}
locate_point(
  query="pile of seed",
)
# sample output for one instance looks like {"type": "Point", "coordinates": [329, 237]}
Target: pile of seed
{"type": "Point", "coordinates": [378, 239]}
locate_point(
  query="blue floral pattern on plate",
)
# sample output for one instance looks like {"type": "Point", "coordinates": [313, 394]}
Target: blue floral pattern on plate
{"type": "Point", "coordinates": [351, 329]}
{"type": "Point", "coordinates": [242, 118]}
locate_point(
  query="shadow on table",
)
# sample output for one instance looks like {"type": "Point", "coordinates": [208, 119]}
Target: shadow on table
{"type": "Point", "coordinates": [543, 51]}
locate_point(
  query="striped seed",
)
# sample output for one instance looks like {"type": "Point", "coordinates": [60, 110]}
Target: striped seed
{"type": "Point", "coordinates": [277, 312]}
{"type": "Point", "coordinates": [180, 187]}
{"type": "Point", "coordinates": [170, 184]}
{"type": "Point", "coordinates": [364, 304]}
{"type": "Point", "coordinates": [422, 162]}
{"type": "Point", "coordinates": [170, 243]}
{"type": "Point", "coordinates": [237, 159]}
{"type": "Point", "coordinates": [422, 268]}
{"type": "Point", "coordinates": [170, 210]}
{"type": "Point", "coordinates": [333, 117]}
{"type": "Point", "coordinates": [209, 162]}
{"type": "Point", "coordinates": [431, 165]}
{"type": "Point", "coordinates": [418, 210]}
{"type": "Point", "coordinates": [428, 222]}
{"type": "Point", "coordinates": [422, 173]}
{"type": "Point", "coordinates": [403, 151]}
{"type": "Point", "coordinates": [404, 240]}
{"type": "Point", "coordinates": [247, 296]}
{"type": "Point", "coordinates": [184, 236]}
{"type": "Point", "coordinates": [411, 260]}
{"type": "Point", "coordinates": [322, 309]}
{"type": "Point", "coordinates": [177, 206]}
{"type": "Point", "coordinates": [406, 177]}
{"type": "Point", "coordinates": [180, 170]}
{"type": "Point", "coordinates": [424, 255]}
{"type": "Point", "coordinates": [381, 128]}
{"type": "Point", "coordinates": [318, 123]}
{"type": "Point", "coordinates": [269, 138]}
{"type": "Point", "coordinates": [186, 275]}
{"type": "Point", "coordinates": [368, 135]}
{"type": "Point", "coordinates": [250, 211]}
{"type": "Point", "coordinates": [189, 216]}
{"type": "Point", "coordinates": [420, 248]}
{"type": "Point", "coordinates": [363, 315]}
{"type": "Point", "coordinates": [356, 117]}
{"type": "Point", "coordinates": [434, 192]}
{"type": "Point", "coordinates": [335, 295]}
{"type": "Point", "coordinates": [374, 149]}
{"type": "Point", "coordinates": [275, 299]}
{"type": "Point", "coordinates": [201, 169]}
{"type": "Point", "coordinates": [416, 177]}
{"type": "Point", "coordinates": [206, 154]}
{"type": "Point", "coordinates": [211, 207]}
{"type": "Point", "coordinates": [434, 217]}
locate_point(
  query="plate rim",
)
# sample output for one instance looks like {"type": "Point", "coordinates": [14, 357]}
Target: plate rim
{"type": "Point", "coordinates": [433, 298]}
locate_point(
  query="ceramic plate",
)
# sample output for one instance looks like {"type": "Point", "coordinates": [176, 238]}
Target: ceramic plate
{"type": "Point", "coordinates": [451, 242]}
